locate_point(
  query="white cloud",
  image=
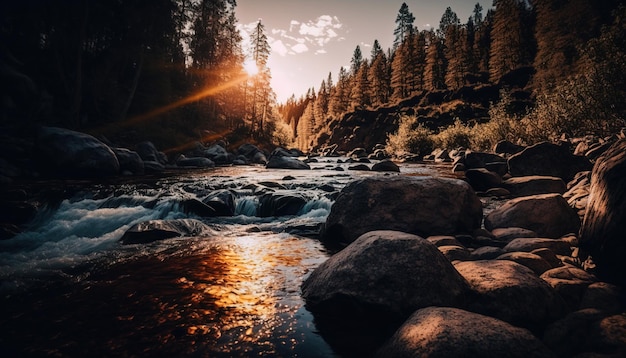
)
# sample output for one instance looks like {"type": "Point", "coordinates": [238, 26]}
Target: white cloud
{"type": "Point", "coordinates": [300, 48]}
{"type": "Point", "coordinates": [279, 47]}
{"type": "Point", "coordinates": [320, 52]}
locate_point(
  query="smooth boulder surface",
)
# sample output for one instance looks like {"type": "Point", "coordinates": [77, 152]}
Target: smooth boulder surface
{"type": "Point", "coordinates": [280, 204]}
{"type": "Point", "coordinates": [129, 161]}
{"type": "Point", "coordinates": [386, 166]}
{"type": "Point", "coordinates": [283, 159]}
{"type": "Point", "coordinates": [155, 230]}
{"type": "Point", "coordinates": [548, 159]}
{"type": "Point", "coordinates": [603, 233]}
{"type": "Point", "coordinates": [549, 215]}
{"type": "Point", "coordinates": [369, 288]}
{"type": "Point", "coordinates": [534, 185]}
{"type": "Point", "coordinates": [67, 153]}
{"type": "Point", "coordinates": [511, 292]}
{"type": "Point", "coordinates": [451, 332]}
{"type": "Point", "coordinates": [482, 179]}
{"type": "Point", "coordinates": [423, 206]}
{"type": "Point", "coordinates": [570, 282]}
{"type": "Point", "coordinates": [558, 246]}
{"type": "Point", "coordinates": [480, 159]}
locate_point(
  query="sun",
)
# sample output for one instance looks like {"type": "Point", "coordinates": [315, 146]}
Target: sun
{"type": "Point", "coordinates": [251, 68]}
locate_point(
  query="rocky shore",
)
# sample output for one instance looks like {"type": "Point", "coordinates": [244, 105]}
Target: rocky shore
{"type": "Point", "coordinates": [520, 253]}
{"type": "Point", "coordinates": [420, 273]}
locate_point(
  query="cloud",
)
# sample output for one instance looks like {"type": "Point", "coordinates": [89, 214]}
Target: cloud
{"type": "Point", "coordinates": [300, 48]}
{"type": "Point", "coordinates": [279, 47]}
{"type": "Point", "coordinates": [301, 36]}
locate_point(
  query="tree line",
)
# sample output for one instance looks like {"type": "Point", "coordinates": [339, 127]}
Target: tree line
{"type": "Point", "coordinates": [549, 37]}
{"type": "Point", "coordinates": [166, 70]}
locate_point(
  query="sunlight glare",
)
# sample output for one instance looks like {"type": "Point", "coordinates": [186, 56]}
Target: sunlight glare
{"type": "Point", "coordinates": [251, 68]}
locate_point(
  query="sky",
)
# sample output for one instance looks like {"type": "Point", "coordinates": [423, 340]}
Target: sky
{"type": "Point", "coordinates": [310, 38]}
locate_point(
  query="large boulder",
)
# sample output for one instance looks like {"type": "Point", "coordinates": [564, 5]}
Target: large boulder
{"type": "Point", "coordinates": [67, 153]}
{"type": "Point", "coordinates": [218, 154]}
{"type": "Point", "coordinates": [386, 166]}
{"type": "Point", "coordinates": [534, 185]}
{"type": "Point", "coordinates": [511, 292]}
{"type": "Point", "coordinates": [475, 160]}
{"type": "Point", "coordinates": [148, 152]}
{"type": "Point", "coordinates": [129, 161]}
{"type": "Point", "coordinates": [603, 232]}
{"type": "Point", "coordinates": [570, 282]}
{"type": "Point", "coordinates": [451, 332]}
{"type": "Point", "coordinates": [284, 159]}
{"type": "Point", "coordinates": [548, 159]}
{"type": "Point", "coordinates": [252, 153]}
{"type": "Point", "coordinates": [588, 331]}
{"type": "Point", "coordinates": [424, 206]}
{"type": "Point", "coordinates": [195, 162]}
{"type": "Point", "coordinates": [549, 215]}
{"type": "Point", "coordinates": [154, 230]}
{"type": "Point", "coordinates": [378, 281]}
{"type": "Point", "coordinates": [482, 179]}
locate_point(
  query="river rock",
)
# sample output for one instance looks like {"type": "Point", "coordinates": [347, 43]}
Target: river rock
{"type": "Point", "coordinates": [385, 166]}
{"type": "Point", "coordinates": [129, 160]}
{"type": "Point", "coordinates": [196, 162]}
{"type": "Point", "coordinates": [588, 333]}
{"type": "Point", "coordinates": [558, 246]}
{"type": "Point", "coordinates": [486, 253]}
{"type": "Point", "coordinates": [222, 202]}
{"type": "Point", "coordinates": [424, 206]}
{"type": "Point", "coordinates": [218, 154]}
{"type": "Point", "coordinates": [283, 159]}
{"type": "Point", "coordinates": [475, 160]}
{"type": "Point", "coordinates": [148, 152]}
{"type": "Point", "coordinates": [452, 332]}
{"type": "Point", "coordinates": [530, 260]}
{"type": "Point", "coordinates": [506, 147]}
{"type": "Point", "coordinates": [359, 167]}
{"type": "Point", "coordinates": [357, 153]}
{"type": "Point", "coordinates": [549, 215]}
{"type": "Point", "coordinates": [482, 179]}
{"type": "Point", "coordinates": [154, 230]}
{"type": "Point", "coordinates": [252, 153]}
{"type": "Point", "coordinates": [534, 185]}
{"type": "Point", "coordinates": [548, 159]}
{"type": "Point", "coordinates": [378, 281]}
{"type": "Point", "coordinates": [151, 167]}
{"type": "Point", "coordinates": [604, 225]}
{"type": "Point", "coordinates": [455, 252]}
{"type": "Point", "coordinates": [508, 234]}
{"type": "Point", "coordinates": [444, 240]}
{"type": "Point", "coordinates": [279, 204]}
{"type": "Point", "coordinates": [511, 292]}
{"type": "Point", "coordinates": [603, 296]}
{"type": "Point", "coordinates": [67, 153]}
{"type": "Point", "coordinates": [570, 282]}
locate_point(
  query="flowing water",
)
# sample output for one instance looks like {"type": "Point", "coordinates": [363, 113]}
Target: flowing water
{"type": "Point", "coordinates": [68, 287]}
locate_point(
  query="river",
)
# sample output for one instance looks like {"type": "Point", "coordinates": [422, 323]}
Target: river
{"type": "Point", "coordinates": [69, 288]}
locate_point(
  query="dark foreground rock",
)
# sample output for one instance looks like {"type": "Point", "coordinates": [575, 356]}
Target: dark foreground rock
{"type": "Point", "coordinates": [376, 282]}
{"type": "Point", "coordinates": [154, 230]}
{"type": "Point", "coordinates": [603, 233]}
{"type": "Point", "coordinates": [423, 206]}
{"type": "Point", "coordinates": [451, 332]}
{"type": "Point", "coordinates": [67, 153]}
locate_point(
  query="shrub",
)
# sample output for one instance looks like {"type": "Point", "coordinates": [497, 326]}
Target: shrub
{"type": "Point", "coordinates": [411, 137]}
{"type": "Point", "coordinates": [454, 136]}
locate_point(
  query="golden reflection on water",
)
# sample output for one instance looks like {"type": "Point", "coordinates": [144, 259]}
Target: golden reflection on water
{"type": "Point", "coordinates": [243, 295]}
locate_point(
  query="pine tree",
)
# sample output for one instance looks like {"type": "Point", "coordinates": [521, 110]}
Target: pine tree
{"type": "Point", "coordinates": [435, 71]}
{"type": "Point", "coordinates": [360, 96]}
{"type": "Point", "coordinates": [338, 102]}
{"type": "Point", "coordinates": [376, 50]}
{"type": "Point", "coordinates": [511, 40]}
{"type": "Point", "coordinates": [379, 80]}
{"type": "Point", "coordinates": [356, 61]}
{"type": "Point", "coordinates": [404, 25]}
{"type": "Point", "coordinates": [263, 96]}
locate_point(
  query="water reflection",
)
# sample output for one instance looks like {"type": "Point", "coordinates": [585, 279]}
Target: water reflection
{"type": "Point", "coordinates": [231, 296]}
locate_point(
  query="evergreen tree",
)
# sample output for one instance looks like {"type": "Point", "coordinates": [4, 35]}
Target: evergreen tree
{"type": "Point", "coordinates": [511, 43]}
{"type": "Point", "coordinates": [262, 94]}
{"type": "Point", "coordinates": [376, 50]}
{"type": "Point", "coordinates": [356, 61]}
{"type": "Point", "coordinates": [379, 80]}
{"type": "Point", "coordinates": [404, 25]}
{"type": "Point", "coordinates": [449, 18]}
{"type": "Point", "coordinates": [435, 71]}
{"type": "Point", "coordinates": [360, 96]}
{"type": "Point", "coordinates": [339, 98]}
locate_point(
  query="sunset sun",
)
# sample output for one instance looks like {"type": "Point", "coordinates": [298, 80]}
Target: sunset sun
{"type": "Point", "coordinates": [251, 68]}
